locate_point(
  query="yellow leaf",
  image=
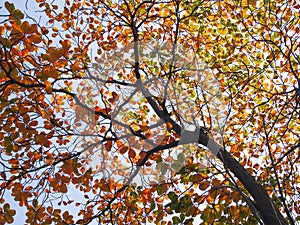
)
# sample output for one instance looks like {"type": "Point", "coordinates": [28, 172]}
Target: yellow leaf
{"type": "Point", "coordinates": [223, 31]}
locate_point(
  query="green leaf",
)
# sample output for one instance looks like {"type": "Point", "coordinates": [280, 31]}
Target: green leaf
{"type": "Point", "coordinates": [181, 157]}
{"type": "Point", "coordinates": [182, 170]}
{"type": "Point", "coordinates": [6, 42]}
{"type": "Point", "coordinates": [35, 203]}
{"type": "Point", "coordinates": [9, 148]}
{"type": "Point", "coordinates": [10, 6]}
{"type": "Point", "coordinates": [173, 197]}
{"type": "Point", "coordinates": [18, 14]}
{"type": "Point", "coordinates": [152, 205]}
{"type": "Point", "coordinates": [182, 216]}
{"type": "Point", "coordinates": [161, 189]}
{"type": "Point", "coordinates": [177, 165]}
{"type": "Point", "coordinates": [185, 201]}
{"type": "Point", "coordinates": [174, 206]}
{"type": "Point", "coordinates": [176, 220]}
{"type": "Point", "coordinates": [134, 194]}
{"type": "Point", "coordinates": [8, 144]}
{"type": "Point", "coordinates": [7, 141]}
{"type": "Point", "coordinates": [189, 221]}
{"type": "Point", "coordinates": [163, 169]}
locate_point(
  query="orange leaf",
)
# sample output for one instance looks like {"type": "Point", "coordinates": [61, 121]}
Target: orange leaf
{"type": "Point", "coordinates": [204, 185]}
{"type": "Point", "coordinates": [25, 27]}
{"type": "Point", "coordinates": [48, 87]}
{"type": "Point", "coordinates": [123, 149]}
{"type": "Point", "coordinates": [35, 38]}
{"type": "Point", "coordinates": [108, 145]}
{"type": "Point", "coordinates": [104, 186]}
{"type": "Point", "coordinates": [131, 153]}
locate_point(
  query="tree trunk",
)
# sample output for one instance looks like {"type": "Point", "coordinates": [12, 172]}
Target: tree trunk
{"type": "Point", "coordinates": [268, 211]}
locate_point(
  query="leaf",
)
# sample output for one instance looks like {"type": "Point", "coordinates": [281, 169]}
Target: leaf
{"type": "Point", "coordinates": [123, 149]}
{"type": "Point", "coordinates": [176, 165]}
{"type": "Point", "coordinates": [176, 220]}
{"type": "Point", "coordinates": [181, 157]}
{"type": "Point", "coordinates": [73, 83]}
{"type": "Point", "coordinates": [9, 6]}
{"type": "Point", "coordinates": [8, 144]}
{"type": "Point", "coordinates": [204, 185]}
{"type": "Point", "coordinates": [162, 189]}
{"type": "Point", "coordinates": [25, 27]}
{"type": "Point", "coordinates": [172, 196]}
{"type": "Point", "coordinates": [18, 15]}
{"type": "Point", "coordinates": [103, 186]}
{"type": "Point", "coordinates": [35, 38]}
{"type": "Point", "coordinates": [114, 97]}
{"type": "Point", "coordinates": [48, 87]}
{"type": "Point", "coordinates": [131, 153]}
{"type": "Point", "coordinates": [108, 145]}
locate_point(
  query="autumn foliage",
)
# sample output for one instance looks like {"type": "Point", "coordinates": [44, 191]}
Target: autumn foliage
{"type": "Point", "coordinates": [150, 112]}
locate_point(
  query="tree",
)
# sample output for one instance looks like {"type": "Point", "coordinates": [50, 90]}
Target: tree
{"type": "Point", "coordinates": [200, 99]}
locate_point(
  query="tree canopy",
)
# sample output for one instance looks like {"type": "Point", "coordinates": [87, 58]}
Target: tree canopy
{"type": "Point", "coordinates": [150, 112]}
